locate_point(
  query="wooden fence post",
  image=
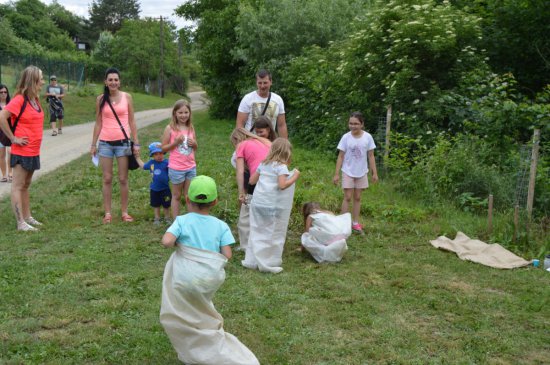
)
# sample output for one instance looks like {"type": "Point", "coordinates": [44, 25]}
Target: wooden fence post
{"type": "Point", "coordinates": [490, 215]}
{"type": "Point", "coordinates": [388, 129]}
{"type": "Point", "coordinates": [533, 173]}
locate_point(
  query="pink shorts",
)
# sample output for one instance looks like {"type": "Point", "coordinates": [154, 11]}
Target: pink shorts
{"type": "Point", "coordinates": [349, 182]}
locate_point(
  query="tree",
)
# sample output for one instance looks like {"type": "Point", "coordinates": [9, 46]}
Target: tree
{"type": "Point", "coordinates": [109, 15]}
{"type": "Point", "coordinates": [516, 34]}
{"type": "Point", "coordinates": [215, 38]}
{"type": "Point", "coordinates": [30, 21]}
{"type": "Point", "coordinates": [65, 20]}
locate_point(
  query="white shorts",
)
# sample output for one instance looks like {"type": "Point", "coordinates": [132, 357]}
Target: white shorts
{"type": "Point", "coordinates": [349, 182]}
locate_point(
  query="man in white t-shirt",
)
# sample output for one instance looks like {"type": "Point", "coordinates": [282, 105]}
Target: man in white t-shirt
{"type": "Point", "coordinates": [253, 105]}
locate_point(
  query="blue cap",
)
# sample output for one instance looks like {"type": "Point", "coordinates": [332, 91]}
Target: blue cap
{"type": "Point", "coordinates": [154, 148]}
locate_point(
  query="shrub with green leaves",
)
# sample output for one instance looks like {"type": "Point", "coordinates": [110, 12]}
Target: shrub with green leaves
{"type": "Point", "coordinates": [458, 169]}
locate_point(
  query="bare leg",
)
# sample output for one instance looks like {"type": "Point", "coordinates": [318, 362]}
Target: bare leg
{"type": "Point", "coordinates": [10, 173]}
{"type": "Point", "coordinates": [3, 166]}
{"type": "Point", "coordinates": [123, 181]}
{"type": "Point", "coordinates": [60, 125]}
{"type": "Point", "coordinates": [348, 193]}
{"type": "Point", "coordinates": [177, 190]}
{"type": "Point", "coordinates": [20, 202]}
{"type": "Point", "coordinates": [54, 130]}
{"type": "Point", "coordinates": [166, 213]}
{"type": "Point", "coordinates": [157, 212]}
{"type": "Point", "coordinates": [356, 212]}
{"type": "Point", "coordinates": [107, 170]}
{"type": "Point", "coordinates": [186, 184]}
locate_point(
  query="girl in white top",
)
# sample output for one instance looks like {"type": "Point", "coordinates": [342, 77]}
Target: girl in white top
{"type": "Point", "coordinates": [355, 148]}
{"type": "Point", "coordinates": [270, 209]}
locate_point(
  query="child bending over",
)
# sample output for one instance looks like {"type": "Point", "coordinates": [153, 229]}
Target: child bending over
{"type": "Point", "coordinates": [325, 233]}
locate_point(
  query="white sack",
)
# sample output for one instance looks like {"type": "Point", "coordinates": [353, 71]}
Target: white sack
{"type": "Point", "coordinates": [269, 214]}
{"type": "Point", "coordinates": [243, 225]}
{"type": "Point", "coordinates": [326, 239]}
{"type": "Point", "coordinates": [191, 278]}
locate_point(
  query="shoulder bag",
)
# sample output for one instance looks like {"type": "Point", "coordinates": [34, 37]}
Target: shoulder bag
{"type": "Point", "coordinates": [132, 162]}
{"type": "Point", "coordinates": [3, 138]}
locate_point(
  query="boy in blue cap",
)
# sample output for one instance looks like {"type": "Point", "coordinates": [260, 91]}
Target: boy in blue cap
{"type": "Point", "coordinates": [159, 189]}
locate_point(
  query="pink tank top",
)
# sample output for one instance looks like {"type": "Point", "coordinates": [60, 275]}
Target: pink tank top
{"type": "Point", "coordinates": [182, 157]}
{"type": "Point", "coordinates": [110, 130]}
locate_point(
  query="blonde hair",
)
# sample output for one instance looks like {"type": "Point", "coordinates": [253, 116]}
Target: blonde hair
{"type": "Point", "coordinates": [28, 84]}
{"type": "Point", "coordinates": [241, 134]}
{"type": "Point", "coordinates": [174, 121]}
{"type": "Point", "coordinates": [281, 151]}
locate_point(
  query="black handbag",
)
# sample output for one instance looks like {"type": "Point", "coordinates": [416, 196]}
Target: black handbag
{"type": "Point", "coordinates": [3, 138]}
{"type": "Point", "coordinates": [132, 162]}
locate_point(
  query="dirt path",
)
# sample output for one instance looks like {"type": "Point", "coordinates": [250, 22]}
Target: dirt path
{"type": "Point", "coordinates": [75, 140]}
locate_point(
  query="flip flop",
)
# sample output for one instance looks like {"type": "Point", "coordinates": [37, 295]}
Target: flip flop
{"type": "Point", "coordinates": [10, 178]}
{"type": "Point", "coordinates": [127, 218]}
{"type": "Point", "coordinates": [107, 218]}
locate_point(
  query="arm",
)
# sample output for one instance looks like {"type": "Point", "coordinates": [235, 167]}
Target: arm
{"type": "Point", "coordinates": [240, 179]}
{"type": "Point", "coordinates": [372, 166]}
{"type": "Point", "coordinates": [226, 251]}
{"type": "Point", "coordinates": [4, 117]}
{"type": "Point", "coordinates": [132, 124]}
{"type": "Point", "coordinates": [168, 240]}
{"type": "Point", "coordinates": [281, 126]}
{"type": "Point", "coordinates": [62, 95]}
{"type": "Point", "coordinates": [309, 222]}
{"type": "Point", "coordinates": [254, 178]}
{"type": "Point", "coordinates": [339, 162]}
{"type": "Point", "coordinates": [97, 127]}
{"type": "Point", "coordinates": [192, 142]}
{"type": "Point", "coordinates": [166, 145]}
{"type": "Point", "coordinates": [241, 119]}
{"type": "Point", "coordinates": [284, 182]}
{"type": "Point", "coordinates": [140, 161]}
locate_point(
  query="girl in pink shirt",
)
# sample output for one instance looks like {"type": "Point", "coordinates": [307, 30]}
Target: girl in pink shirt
{"type": "Point", "coordinates": [179, 139]}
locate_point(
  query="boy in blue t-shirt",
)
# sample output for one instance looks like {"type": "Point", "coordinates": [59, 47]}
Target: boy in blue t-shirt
{"type": "Point", "coordinates": [159, 189]}
{"type": "Point", "coordinates": [198, 228]}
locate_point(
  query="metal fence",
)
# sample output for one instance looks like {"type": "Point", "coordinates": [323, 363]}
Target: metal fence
{"type": "Point", "coordinates": [69, 74]}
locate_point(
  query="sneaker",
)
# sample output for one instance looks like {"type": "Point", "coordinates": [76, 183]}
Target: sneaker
{"type": "Point", "coordinates": [156, 222]}
{"type": "Point", "coordinates": [54, 133]}
{"type": "Point", "coordinates": [25, 227]}
{"type": "Point", "coordinates": [33, 221]}
{"type": "Point", "coordinates": [357, 227]}
{"type": "Point", "coordinates": [168, 221]}
{"type": "Point", "coordinates": [59, 131]}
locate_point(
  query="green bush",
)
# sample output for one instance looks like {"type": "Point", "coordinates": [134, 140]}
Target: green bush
{"type": "Point", "coordinates": [457, 169]}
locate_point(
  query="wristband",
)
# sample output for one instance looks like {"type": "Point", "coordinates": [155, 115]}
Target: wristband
{"type": "Point", "coordinates": [137, 145]}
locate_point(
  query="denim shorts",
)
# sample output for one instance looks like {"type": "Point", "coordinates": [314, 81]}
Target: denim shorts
{"type": "Point", "coordinates": [178, 176]}
{"type": "Point", "coordinates": [107, 150]}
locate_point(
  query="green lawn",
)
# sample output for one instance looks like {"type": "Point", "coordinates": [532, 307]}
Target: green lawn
{"type": "Point", "coordinates": [79, 292]}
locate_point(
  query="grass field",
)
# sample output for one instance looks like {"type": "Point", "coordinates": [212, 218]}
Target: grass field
{"type": "Point", "coordinates": [79, 292]}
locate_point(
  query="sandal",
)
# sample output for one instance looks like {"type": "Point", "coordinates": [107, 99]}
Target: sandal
{"type": "Point", "coordinates": [54, 133]}
{"type": "Point", "coordinates": [59, 131]}
{"type": "Point", "coordinates": [10, 178]}
{"type": "Point", "coordinates": [107, 218]}
{"type": "Point", "coordinates": [127, 218]}
{"type": "Point", "coordinates": [4, 179]}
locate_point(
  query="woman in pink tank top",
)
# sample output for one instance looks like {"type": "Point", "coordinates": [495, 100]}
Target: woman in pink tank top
{"type": "Point", "coordinates": [114, 140]}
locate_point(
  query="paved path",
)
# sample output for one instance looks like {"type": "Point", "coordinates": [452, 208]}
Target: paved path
{"type": "Point", "coordinates": [75, 140]}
